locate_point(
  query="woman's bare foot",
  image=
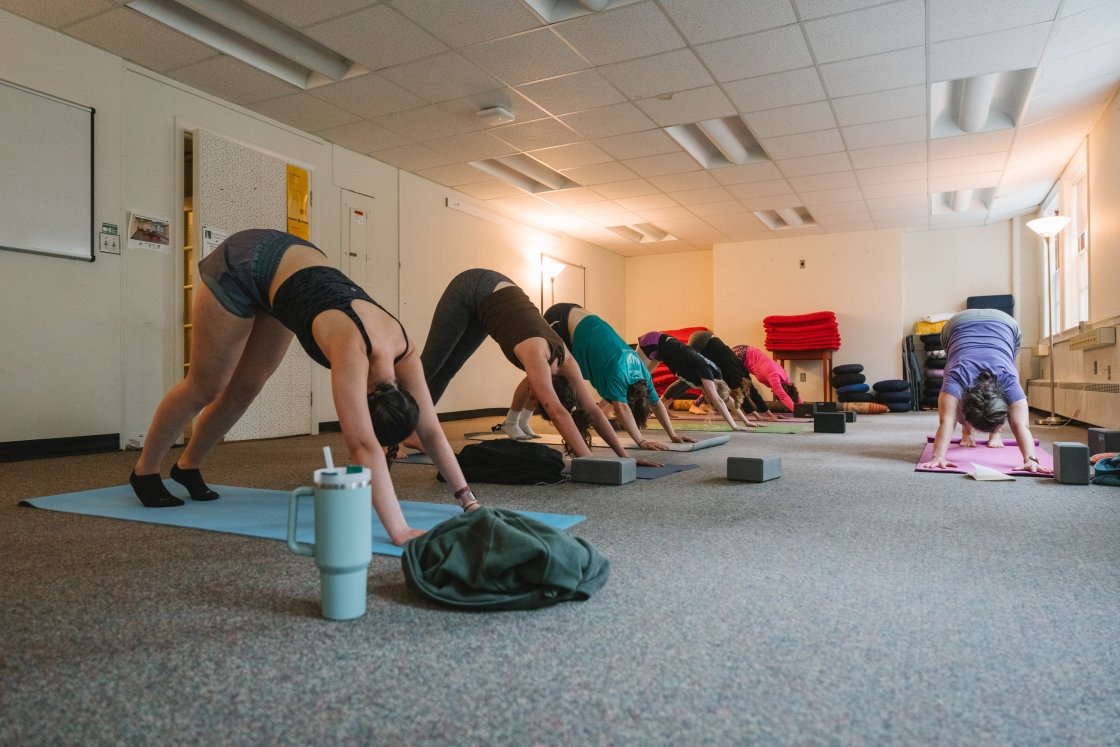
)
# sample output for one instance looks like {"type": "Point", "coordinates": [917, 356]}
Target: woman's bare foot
{"type": "Point", "coordinates": [968, 441]}
{"type": "Point", "coordinates": [412, 442]}
{"type": "Point", "coordinates": [995, 441]}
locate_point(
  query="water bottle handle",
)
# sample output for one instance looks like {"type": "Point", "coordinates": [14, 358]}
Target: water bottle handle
{"type": "Point", "coordinates": [299, 548]}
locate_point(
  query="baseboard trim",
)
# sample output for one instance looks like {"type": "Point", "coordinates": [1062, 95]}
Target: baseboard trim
{"type": "Point", "coordinates": [46, 448]}
{"type": "Point", "coordinates": [486, 412]}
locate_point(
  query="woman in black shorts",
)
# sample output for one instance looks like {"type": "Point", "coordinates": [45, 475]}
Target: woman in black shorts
{"type": "Point", "coordinates": [261, 287]}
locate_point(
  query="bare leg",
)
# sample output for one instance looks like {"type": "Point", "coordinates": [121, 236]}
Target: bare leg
{"type": "Point", "coordinates": [968, 440]}
{"type": "Point", "coordinates": [521, 395]}
{"type": "Point", "coordinates": [995, 441]}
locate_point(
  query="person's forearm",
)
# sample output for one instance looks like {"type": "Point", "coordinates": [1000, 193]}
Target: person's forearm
{"type": "Point", "coordinates": [780, 392]}
{"type": "Point", "coordinates": [1024, 439]}
{"type": "Point", "coordinates": [436, 446]}
{"type": "Point", "coordinates": [710, 389]}
{"type": "Point", "coordinates": [603, 427]}
{"type": "Point", "coordinates": [743, 416]}
{"type": "Point", "coordinates": [663, 418]}
{"type": "Point", "coordinates": [944, 435]}
{"type": "Point", "coordinates": [564, 423]}
{"type": "Point", "coordinates": [625, 418]}
{"type": "Point", "coordinates": [382, 495]}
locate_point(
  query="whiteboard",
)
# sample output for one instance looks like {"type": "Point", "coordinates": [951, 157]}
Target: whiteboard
{"type": "Point", "coordinates": [46, 174]}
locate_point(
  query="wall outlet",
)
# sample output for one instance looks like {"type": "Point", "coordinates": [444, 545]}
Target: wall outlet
{"type": "Point", "coordinates": [802, 264]}
{"type": "Point", "coordinates": [802, 378]}
{"type": "Point", "coordinates": [110, 243]}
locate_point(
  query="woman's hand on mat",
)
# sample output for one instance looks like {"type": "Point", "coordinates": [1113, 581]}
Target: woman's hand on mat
{"type": "Point", "coordinates": [406, 535]}
{"type": "Point", "coordinates": [648, 463]}
{"type": "Point", "coordinates": [1032, 466]}
{"type": "Point", "coordinates": [939, 463]}
{"type": "Point", "coordinates": [652, 445]}
{"type": "Point", "coordinates": [679, 439]}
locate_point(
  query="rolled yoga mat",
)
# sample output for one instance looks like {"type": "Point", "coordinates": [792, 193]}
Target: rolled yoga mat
{"type": "Point", "coordinates": [719, 426]}
{"type": "Point", "coordinates": [650, 473]}
{"type": "Point", "coordinates": [1005, 460]}
{"type": "Point", "coordinates": [627, 443]}
{"type": "Point", "coordinates": [250, 511]}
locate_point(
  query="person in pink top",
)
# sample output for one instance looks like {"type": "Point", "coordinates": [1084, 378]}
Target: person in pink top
{"type": "Point", "coordinates": [768, 372]}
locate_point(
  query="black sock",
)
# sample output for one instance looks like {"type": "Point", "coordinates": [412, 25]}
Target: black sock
{"type": "Point", "coordinates": [191, 479]}
{"type": "Point", "coordinates": [151, 491]}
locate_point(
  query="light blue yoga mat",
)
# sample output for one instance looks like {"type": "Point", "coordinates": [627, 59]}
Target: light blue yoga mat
{"type": "Point", "coordinates": [250, 511]}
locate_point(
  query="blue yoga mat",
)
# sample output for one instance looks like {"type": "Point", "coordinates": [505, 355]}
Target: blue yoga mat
{"type": "Point", "coordinates": [650, 473]}
{"type": "Point", "coordinates": [250, 511]}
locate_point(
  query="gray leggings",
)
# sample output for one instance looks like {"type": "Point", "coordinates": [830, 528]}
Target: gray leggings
{"type": "Point", "coordinates": [972, 315]}
{"type": "Point", "coordinates": [456, 330]}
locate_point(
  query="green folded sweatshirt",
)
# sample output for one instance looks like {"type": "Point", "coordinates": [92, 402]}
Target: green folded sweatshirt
{"type": "Point", "coordinates": [494, 559]}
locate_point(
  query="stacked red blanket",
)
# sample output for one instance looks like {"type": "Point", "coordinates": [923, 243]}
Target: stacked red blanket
{"type": "Point", "coordinates": [661, 375]}
{"type": "Point", "coordinates": [816, 331]}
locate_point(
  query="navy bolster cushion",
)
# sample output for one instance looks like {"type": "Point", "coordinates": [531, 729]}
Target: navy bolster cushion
{"type": "Point", "coordinates": [849, 368]}
{"type": "Point", "coordinates": [898, 406]}
{"type": "Point", "coordinates": [891, 385]}
{"type": "Point", "coordinates": [1002, 302]}
{"type": "Point", "coordinates": [935, 338]}
{"type": "Point", "coordinates": [936, 381]}
{"type": "Point", "coordinates": [856, 397]}
{"type": "Point", "coordinates": [886, 398]}
{"type": "Point", "coordinates": [929, 402]}
{"type": "Point", "coordinates": [852, 389]}
{"type": "Point", "coordinates": [840, 380]}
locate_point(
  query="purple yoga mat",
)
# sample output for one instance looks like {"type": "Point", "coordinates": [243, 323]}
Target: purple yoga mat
{"type": "Point", "coordinates": [1005, 460]}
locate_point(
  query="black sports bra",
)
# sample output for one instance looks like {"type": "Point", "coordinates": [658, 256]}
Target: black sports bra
{"type": "Point", "coordinates": [313, 290]}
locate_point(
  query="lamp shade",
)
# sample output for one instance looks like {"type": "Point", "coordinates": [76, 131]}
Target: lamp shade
{"type": "Point", "coordinates": [552, 268]}
{"type": "Point", "coordinates": [1049, 226]}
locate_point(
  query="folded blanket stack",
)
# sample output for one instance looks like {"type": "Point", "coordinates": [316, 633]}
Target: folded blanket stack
{"type": "Point", "coordinates": [850, 383]}
{"type": "Point", "coordinates": [805, 332]}
{"type": "Point", "coordinates": [934, 370]}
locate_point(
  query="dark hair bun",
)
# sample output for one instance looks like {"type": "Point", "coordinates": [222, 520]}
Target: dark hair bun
{"type": "Point", "coordinates": [394, 413]}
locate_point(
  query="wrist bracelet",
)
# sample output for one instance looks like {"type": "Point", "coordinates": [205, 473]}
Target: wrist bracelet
{"type": "Point", "coordinates": [1033, 459]}
{"type": "Point", "coordinates": [461, 491]}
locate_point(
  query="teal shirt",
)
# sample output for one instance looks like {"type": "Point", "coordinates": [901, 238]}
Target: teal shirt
{"type": "Point", "coordinates": [607, 361]}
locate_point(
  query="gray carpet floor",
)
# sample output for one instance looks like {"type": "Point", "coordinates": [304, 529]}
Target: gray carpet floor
{"type": "Point", "coordinates": [851, 602]}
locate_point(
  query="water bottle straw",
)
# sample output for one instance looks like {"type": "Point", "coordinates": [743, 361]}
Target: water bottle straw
{"type": "Point", "coordinates": [327, 456]}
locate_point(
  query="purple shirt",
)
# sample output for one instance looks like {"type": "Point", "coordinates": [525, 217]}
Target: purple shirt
{"type": "Point", "coordinates": [981, 345]}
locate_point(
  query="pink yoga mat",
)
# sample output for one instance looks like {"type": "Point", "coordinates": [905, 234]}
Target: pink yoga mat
{"type": "Point", "coordinates": [1005, 460]}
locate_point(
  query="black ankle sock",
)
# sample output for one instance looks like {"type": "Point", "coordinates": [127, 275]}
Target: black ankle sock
{"type": "Point", "coordinates": [151, 491]}
{"type": "Point", "coordinates": [191, 479]}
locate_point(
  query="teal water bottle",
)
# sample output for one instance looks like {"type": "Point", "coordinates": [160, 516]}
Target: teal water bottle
{"type": "Point", "coordinates": [343, 537]}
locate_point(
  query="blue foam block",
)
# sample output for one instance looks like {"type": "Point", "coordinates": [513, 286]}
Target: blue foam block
{"type": "Point", "coordinates": [250, 511]}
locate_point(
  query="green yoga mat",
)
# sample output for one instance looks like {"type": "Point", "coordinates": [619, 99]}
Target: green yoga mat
{"type": "Point", "coordinates": [722, 427]}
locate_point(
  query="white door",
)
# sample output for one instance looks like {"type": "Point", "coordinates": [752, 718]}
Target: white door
{"type": "Point", "coordinates": [356, 211]}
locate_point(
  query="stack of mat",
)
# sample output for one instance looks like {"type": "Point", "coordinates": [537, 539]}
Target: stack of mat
{"type": "Point", "coordinates": [1004, 302]}
{"type": "Point", "coordinates": [850, 383]}
{"type": "Point", "coordinates": [662, 376]}
{"type": "Point", "coordinates": [934, 370]}
{"type": "Point", "coordinates": [805, 332]}
{"type": "Point", "coordinates": [894, 393]}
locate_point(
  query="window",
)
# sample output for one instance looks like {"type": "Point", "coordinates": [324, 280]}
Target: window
{"type": "Point", "coordinates": [1081, 245]}
{"type": "Point", "coordinates": [1072, 297]}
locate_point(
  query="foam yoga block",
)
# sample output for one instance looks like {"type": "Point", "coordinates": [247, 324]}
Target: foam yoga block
{"type": "Point", "coordinates": [1071, 463]}
{"type": "Point", "coordinates": [841, 380]}
{"type": "Point", "coordinates": [847, 368]}
{"type": "Point", "coordinates": [826, 406]}
{"type": "Point", "coordinates": [829, 422]}
{"type": "Point", "coordinates": [805, 409]}
{"type": "Point", "coordinates": [849, 416]}
{"type": "Point", "coordinates": [754, 469]}
{"type": "Point", "coordinates": [604, 470]}
{"type": "Point", "coordinates": [1103, 441]}
{"type": "Point", "coordinates": [891, 385]}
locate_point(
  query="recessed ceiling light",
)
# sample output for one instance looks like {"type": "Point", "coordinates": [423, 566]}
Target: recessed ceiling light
{"type": "Point", "coordinates": [788, 217]}
{"type": "Point", "coordinates": [716, 143]}
{"type": "Point", "coordinates": [961, 201]}
{"type": "Point", "coordinates": [495, 115]}
{"type": "Point", "coordinates": [642, 233]}
{"type": "Point", "coordinates": [982, 103]}
{"type": "Point", "coordinates": [554, 11]}
{"type": "Point", "coordinates": [525, 173]}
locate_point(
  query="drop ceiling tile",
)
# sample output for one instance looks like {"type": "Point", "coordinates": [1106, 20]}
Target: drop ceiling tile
{"type": "Point", "coordinates": [628, 188]}
{"type": "Point", "coordinates": [1060, 75]}
{"type": "Point", "coordinates": [709, 209]}
{"type": "Point", "coordinates": [423, 123]}
{"type": "Point", "coordinates": [298, 13]}
{"type": "Point", "coordinates": [467, 108]}
{"type": "Point", "coordinates": [880, 72]}
{"type": "Point", "coordinates": [751, 172]}
{"type": "Point", "coordinates": [368, 96]}
{"type": "Point", "coordinates": [489, 190]}
{"type": "Point", "coordinates": [232, 80]}
{"type": "Point", "coordinates": [471, 146]}
{"type": "Point", "coordinates": [571, 156]}
{"type": "Point", "coordinates": [670, 213]}
{"type": "Point", "coordinates": [806, 144]}
{"type": "Point", "coordinates": [767, 188]}
{"type": "Point", "coordinates": [897, 201]}
{"type": "Point", "coordinates": [606, 121]}
{"type": "Point", "coordinates": [913, 187]}
{"type": "Point", "coordinates": [455, 175]}
{"type": "Point", "coordinates": [1076, 121]}
{"type": "Point", "coordinates": [971, 145]}
{"type": "Point", "coordinates": [684, 226]}
{"type": "Point", "coordinates": [520, 203]}
{"type": "Point", "coordinates": [669, 72]}
{"type": "Point", "coordinates": [574, 92]}
{"type": "Point", "coordinates": [791, 120]}
{"type": "Point", "coordinates": [881, 105]}
{"type": "Point", "coordinates": [839, 208]}
{"type": "Point", "coordinates": [850, 227]}
{"type": "Point", "coordinates": [810, 9]}
{"type": "Point", "coordinates": [467, 22]}
{"type": "Point", "coordinates": [413, 158]}
{"type": "Point", "coordinates": [647, 202]}
{"type": "Point", "coordinates": [951, 19]}
{"type": "Point", "coordinates": [617, 219]}
{"type": "Point", "coordinates": [683, 182]}
{"type": "Point", "coordinates": [669, 163]}
{"type": "Point", "coordinates": [902, 223]}
{"type": "Point", "coordinates": [967, 165]}
{"type": "Point", "coordinates": [543, 133]}
{"type": "Point", "coordinates": [825, 196]}
{"type": "Point", "coordinates": [363, 137]}
{"type": "Point", "coordinates": [56, 14]}
{"type": "Point", "coordinates": [835, 180]}
{"type": "Point", "coordinates": [772, 202]}
{"type": "Point", "coordinates": [623, 34]}
{"type": "Point", "coordinates": [444, 77]}
{"type": "Point", "coordinates": [376, 37]}
{"type": "Point", "coordinates": [888, 174]}
{"type": "Point", "coordinates": [841, 219]}
{"type": "Point", "coordinates": [1085, 30]}
{"type": "Point", "coordinates": [882, 28]}
{"type": "Point", "coordinates": [888, 155]}
{"type": "Point", "coordinates": [756, 54]}
{"type": "Point", "coordinates": [600, 173]}
{"type": "Point", "coordinates": [808, 165]}
{"type": "Point", "coordinates": [688, 106]}
{"type": "Point", "coordinates": [708, 20]}
{"type": "Point", "coordinates": [1013, 49]}
{"type": "Point", "coordinates": [1054, 104]}
{"type": "Point", "coordinates": [891, 132]}
{"type": "Point", "coordinates": [701, 196]}
{"type": "Point", "coordinates": [526, 57]}
{"type": "Point", "coordinates": [966, 181]}
{"type": "Point", "coordinates": [639, 144]}
{"type": "Point", "coordinates": [577, 196]}
{"type": "Point", "coordinates": [1073, 7]}
{"type": "Point", "coordinates": [594, 209]}
{"type": "Point", "coordinates": [304, 112]}
{"type": "Point", "coordinates": [780, 89]}
{"type": "Point", "coordinates": [137, 38]}
{"type": "Point", "coordinates": [887, 214]}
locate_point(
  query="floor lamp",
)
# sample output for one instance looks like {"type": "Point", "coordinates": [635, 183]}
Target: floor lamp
{"type": "Point", "coordinates": [552, 269]}
{"type": "Point", "coordinates": [1048, 228]}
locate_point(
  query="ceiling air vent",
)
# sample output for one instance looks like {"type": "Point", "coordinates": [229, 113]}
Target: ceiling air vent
{"type": "Point", "coordinates": [525, 173]}
{"type": "Point", "coordinates": [642, 233]}
{"type": "Point", "coordinates": [961, 201]}
{"type": "Point", "coordinates": [982, 103]}
{"type": "Point", "coordinates": [787, 217]}
{"type": "Point", "coordinates": [554, 11]}
{"type": "Point", "coordinates": [718, 142]}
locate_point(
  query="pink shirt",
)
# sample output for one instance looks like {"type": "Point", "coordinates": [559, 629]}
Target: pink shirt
{"type": "Point", "coordinates": [767, 370]}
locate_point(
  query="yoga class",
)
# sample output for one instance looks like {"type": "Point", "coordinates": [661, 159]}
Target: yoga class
{"type": "Point", "coordinates": [486, 373]}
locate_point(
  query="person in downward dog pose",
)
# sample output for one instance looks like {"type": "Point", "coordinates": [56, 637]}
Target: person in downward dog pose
{"type": "Point", "coordinates": [259, 288]}
{"type": "Point", "coordinates": [693, 371]}
{"type": "Point", "coordinates": [732, 362]}
{"type": "Point", "coordinates": [753, 361]}
{"type": "Point", "coordinates": [981, 389]}
{"type": "Point", "coordinates": [480, 303]}
{"type": "Point", "coordinates": [616, 372]}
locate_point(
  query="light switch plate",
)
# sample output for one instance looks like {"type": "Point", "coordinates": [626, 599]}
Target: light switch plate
{"type": "Point", "coordinates": [110, 243]}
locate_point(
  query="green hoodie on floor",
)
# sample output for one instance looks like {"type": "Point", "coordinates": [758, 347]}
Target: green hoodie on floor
{"type": "Point", "coordinates": [494, 559]}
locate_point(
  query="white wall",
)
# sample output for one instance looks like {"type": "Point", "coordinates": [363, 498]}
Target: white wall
{"type": "Point", "coordinates": [668, 291]}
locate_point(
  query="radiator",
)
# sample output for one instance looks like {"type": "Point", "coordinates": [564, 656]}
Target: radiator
{"type": "Point", "coordinates": [1093, 403]}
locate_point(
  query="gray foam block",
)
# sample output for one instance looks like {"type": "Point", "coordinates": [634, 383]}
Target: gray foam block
{"type": "Point", "coordinates": [1071, 463]}
{"type": "Point", "coordinates": [829, 422]}
{"type": "Point", "coordinates": [849, 416]}
{"type": "Point", "coordinates": [754, 469]}
{"type": "Point", "coordinates": [604, 470]}
{"type": "Point", "coordinates": [826, 407]}
{"type": "Point", "coordinates": [804, 409]}
{"type": "Point", "coordinates": [1103, 440]}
